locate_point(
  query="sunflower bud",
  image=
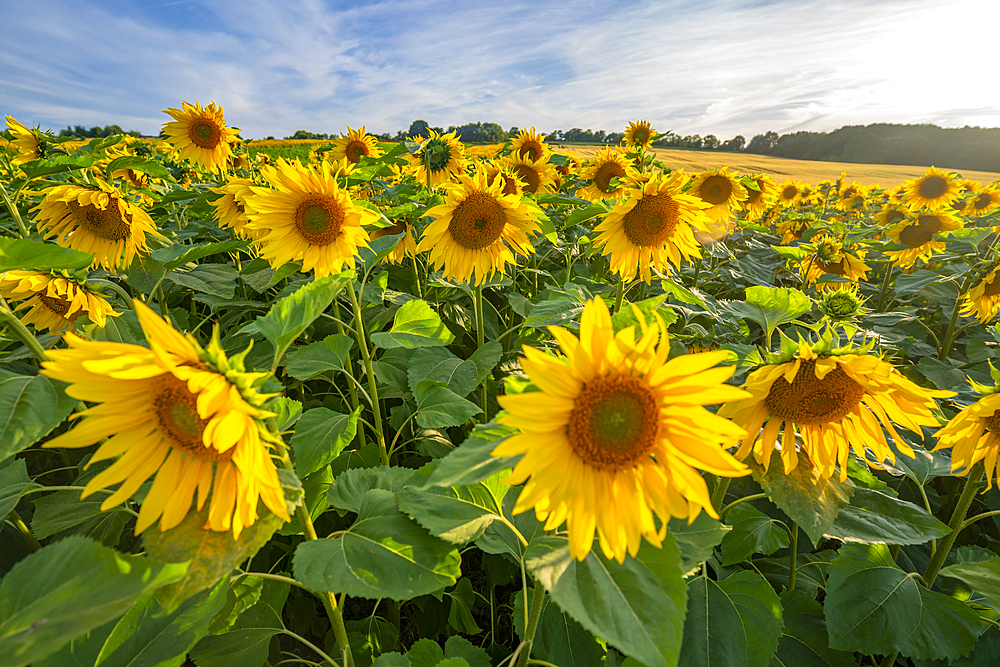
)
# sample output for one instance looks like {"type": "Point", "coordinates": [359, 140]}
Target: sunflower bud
{"type": "Point", "coordinates": [842, 305]}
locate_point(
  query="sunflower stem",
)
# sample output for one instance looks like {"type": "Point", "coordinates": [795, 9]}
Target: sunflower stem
{"type": "Point", "coordinates": [480, 341]}
{"type": "Point", "coordinates": [352, 391]}
{"type": "Point", "coordinates": [890, 660]}
{"type": "Point", "coordinates": [739, 501]}
{"type": "Point", "coordinates": [532, 625]}
{"type": "Point", "coordinates": [793, 552]}
{"type": "Point", "coordinates": [619, 296]}
{"type": "Point", "coordinates": [985, 515]}
{"type": "Point", "coordinates": [8, 317]}
{"type": "Point", "coordinates": [416, 277]}
{"type": "Point", "coordinates": [719, 492]}
{"type": "Point", "coordinates": [114, 287]}
{"type": "Point", "coordinates": [359, 329]}
{"type": "Point", "coordinates": [15, 518]}
{"type": "Point", "coordinates": [886, 281]}
{"type": "Point", "coordinates": [956, 524]}
{"type": "Point", "coordinates": [949, 336]}
{"type": "Point", "coordinates": [14, 213]}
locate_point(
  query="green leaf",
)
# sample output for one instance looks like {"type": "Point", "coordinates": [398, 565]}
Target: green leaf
{"type": "Point", "coordinates": [243, 593]}
{"type": "Point", "coordinates": [414, 325]}
{"type": "Point", "coordinates": [148, 635]}
{"type": "Point", "coordinates": [983, 577]}
{"type": "Point", "coordinates": [796, 253]}
{"type": "Point", "coordinates": [425, 653]}
{"type": "Point", "coordinates": [246, 642]}
{"type": "Point", "coordinates": [384, 554]}
{"type": "Point", "coordinates": [498, 538]}
{"type": "Point", "coordinates": [67, 589]}
{"type": "Point", "coordinates": [140, 164]}
{"type": "Point", "coordinates": [460, 648]}
{"type": "Point", "coordinates": [37, 256]}
{"type": "Point", "coordinates": [877, 518]}
{"type": "Point", "coordinates": [871, 605]}
{"type": "Point", "coordinates": [558, 638]}
{"type": "Point", "coordinates": [330, 354]}
{"type": "Point", "coordinates": [485, 359]}
{"type": "Point", "coordinates": [320, 435]}
{"type": "Point", "coordinates": [349, 487]}
{"type": "Point", "coordinates": [463, 599]}
{"type": "Point", "coordinates": [697, 540]}
{"type": "Point", "coordinates": [178, 254]}
{"type": "Point", "coordinates": [215, 279]}
{"type": "Point", "coordinates": [804, 638]}
{"type": "Point", "coordinates": [440, 407]}
{"type": "Point", "coordinates": [64, 510]}
{"type": "Point", "coordinates": [471, 461]}
{"type": "Point", "coordinates": [734, 622]}
{"type": "Point", "coordinates": [30, 407]}
{"type": "Point", "coordinates": [14, 482]}
{"type": "Point", "coordinates": [812, 505]}
{"type": "Point", "coordinates": [649, 308]}
{"type": "Point", "coordinates": [554, 312]}
{"type": "Point", "coordinates": [753, 533]}
{"type": "Point", "coordinates": [948, 628]}
{"type": "Point", "coordinates": [456, 514]}
{"type": "Point", "coordinates": [56, 165]}
{"type": "Point", "coordinates": [771, 306]}
{"type": "Point", "coordinates": [291, 316]}
{"type": "Point", "coordinates": [440, 365]}
{"type": "Point", "coordinates": [638, 606]}
{"type": "Point", "coordinates": [916, 281]}
{"type": "Point", "coordinates": [392, 659]}
{"type": "Point", "coordinates": [376, 251]}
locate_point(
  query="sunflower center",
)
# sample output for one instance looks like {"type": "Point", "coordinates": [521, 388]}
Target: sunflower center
{"type": "Point", "coordinates": [640, 136]}
{"type": "Point", "coordinates": [809, 400]}
{"type": "Point", "coordinates": [992, 288]}
{"type": "Point", "coordinates": [604, 174]}
{"type": "Point", "coordinates": [614, 422]}
{"type": "Point", "coordinates": [532, 179]}
{"type": "Point", "coordinates": [834, 268]}
{"type": "Point", "coordinates": [477, 222]}
{"type": "Point", "coordinates": [921, 232]}
{"type": "Point", "coordinates": [716, 190]}
{"type": "Point", "coordinates": [894, 215]}
{"type": "Point", "coordinates": [57, 304]}
{"type": "Point", "coordinates": [107, 223]}
{"type": "Point", "coordinates": [398, 227]}
{"type": "Point", "coordinates": [754, 195]}
{"type": "Point", "coordinates": [205, 133]}
{"type": "Point", "coordinates": [531, 150]}
{"type": "Point", "coordinates": [356, 150]}
{"type": "Point", "coordinates": [175, 409]}
{"type": "Point", "coordinates": [319, 219]}
{"type": "Point", "coordinates": [981, 202]}
{"type": "Point", "coordinates": [789, 192]}
{"type": "Point", "coordinates": [993, 422]}
{"type": "Point", "coordinates": [932, 187]}
{"type": "Point", "coordinates": [652, 220]}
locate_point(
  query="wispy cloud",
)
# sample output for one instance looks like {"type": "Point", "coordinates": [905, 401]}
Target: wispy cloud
{"type": "Point", "coordinates": [721, 67]}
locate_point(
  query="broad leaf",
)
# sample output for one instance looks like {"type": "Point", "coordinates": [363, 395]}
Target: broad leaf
{"type": "Point", "coordinates": [771, 306]}
{"type": "Point", "coordinates": [982, 577]}
{"type": "Point", "coordinates": [559, 639]}
{"type": "Point", "coordinates": [414, 325]}
{"type": "Point", "coordinates": [457, 514]}
{"type": "Point", "coordinates": [30, 407]}
{"type": "Point", "coordinates": [14, 482]}
{"type": "Point", "coordinates": [438, 364]}
{"type": "Point", "coordinates": [178, 254]}
{"type": "Point", "coordinates": [56, 165]}
{"type": "Point", "coordinates": [753, 533]}
{"type": "Point", "coordinates": [697, 540]}
{"type": "Point", "coordinates": [877, 518]}
{"type": "Point", "coordinates": [246, 642]}
{"type": "Point", "coordinates": [350, 486]}
{"type": "Point", "coordinates": [330, 354]}
{"type": "Point", "coordinates": [948, 628]}
{"type": "Point", "coordinates": [140, 164]}
{"type": "Point", "coordinates": [471, 461]}
{"type": "Point", "coordinates": [320, 435]}
{"type": "Point", "coordinates": [440, 407]}
{"type": "Point", "coordinates": [215, 279]}
{"type": "Point", "coordinates": [36, 256]}
{"type": "Point", "coordinates": [804, 638]}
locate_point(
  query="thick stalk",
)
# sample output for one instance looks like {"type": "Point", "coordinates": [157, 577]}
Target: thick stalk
{"type": "Point", "coordinates": [719, 492]}
{"type": "Point", "coordinates": [359, 329]}
{"type": "Point", "coordinates": [619, 296]}
{"type": "Point", "coordinates": [793, 553]}
{"type": "Point", "coordinates": [886, 281]}
{"type": "Point", "coordinates": [416, 275]}
{"type": "Point", "coordinates": [8, 317]}
{"type": "Point", "coordinates": [972, 485]}
{"type": "Point", "coordinates": [14, 213]}
{"type": "Point", "coordinates": [532, 625]}
{"type": "Point", "coordinates": [480, 341]}
{"type": "Point", "coordinates": [352, 390]}
{"type": "Point", "coordinates": [949, 336]}
{"type": "Point", "coordinates": [15, 518]}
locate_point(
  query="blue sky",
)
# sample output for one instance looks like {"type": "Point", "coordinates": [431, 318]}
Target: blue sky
{"type": "Point", "coordinates": [722, 67]}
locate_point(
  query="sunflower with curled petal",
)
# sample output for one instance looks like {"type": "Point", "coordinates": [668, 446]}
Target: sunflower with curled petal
{"type": "Point", "coordinates": [405, 247]}
{"type": "Point", "coordinates": [985, 201]}
{"type": "Point", "coordinates": [791, 193]}
{"type": "Point", "coordinates": [512, 183]}
{"type": "Point", "coordinates": [186, 416]}
{"type": "Point", "coordinates": [54, 300]}
{"type": "Point", "coordinates": [762, 198]}
{"type": "Point", "coordinates": [306, 216]}
{"type": "Point", "coordinates": [835, 400]}
{"type": "Point", "coordinates": [973, 435]}
{"type": "Point", "coordinates": [230, 209]}
{"type": "Point", "coordinates": [935, 189]}
{"type": "Point", "coordinates": [983, 300]}
{"type": "Point", "coordinates": [640, 134]}
{"type": "Point", "coordinates": [792, 228]}
{"type": "Point", "coordinates": [614, 439]}
{"type": "Point", "coordinates": [830, 256]}
{"type": "Point", "coordinates": [200, 135]}
{"type": "Point", "coordinates": [99, 220]}
{"type": "Point", "coordinates": [891, 213]}
{"type": "Point", "coordinates": [652, 226]}
{"type": "Point", "coordinates": [721, 190]}
{"type": "Point", "coordinates": [530, 145]}
{"type": "Point", "coordinates": [478, 229]}
{"type": "Point", "coordinates": [537, 175]}
{"type": "Point", "coordinates": [917, 232]}
{"type": "Point", "coordinates": [852, 198]}
{"type": "Point", "coordinates": [354, 145]}
{"type": "Point", "coordinates": [27, 142]}
{"type": "Point", "coordinates": [445, 156]}
{"type": "Point", "coordinates": [604, 165]}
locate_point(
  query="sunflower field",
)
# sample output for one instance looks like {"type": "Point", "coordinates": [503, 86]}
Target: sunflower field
{"type": "Point", "coordinates": [423, 405]}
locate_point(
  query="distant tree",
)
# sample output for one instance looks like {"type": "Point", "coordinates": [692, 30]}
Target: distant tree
{"type": "Point", "coordinates": [614, 137]}
{"type": "Point", "coordinates": [710, 142]}
{"type": "Point", "coordinates": [692, 141]}
{"type": "Point", "coordinates": [555, 135]}
{"type": "Point", "coordinates": [96, 131]}
{"type": "Point", "coordinates": [762, 144]}
{"type": "Point", "coordinates": [476, 133]}
{"type": "Point", "coordinates": [513, 131]}
{"type": "Point", "coordinates": [794, 145]}
{"type": "Point", "coordinates": [418, 128]}
{"type": "Point", "coordinates": [302, 134]}
{"type": "Point", "coordinates": [734, 145]}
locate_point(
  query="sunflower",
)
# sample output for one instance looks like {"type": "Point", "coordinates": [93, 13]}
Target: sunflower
{"type": "Point", "coordinates": [55, 300]}
{"type": "Point", "coordinates": [974, 433]}
{"type": "Point", "coordinates": [831, 257]}
{"type": "Point", "coordinates": [477, 229]}
{"type": "Point", "coordinates": [512, 183]}
{"type": "Point", "coordinates": [790, 193]}
{"type": "Point", "coordinates": [984, 202]}
{"type": "Point", "coordinates": [759, 200]}
{"type": "Point", "coordinates": [444, 154]}
{"type": "Point", "coordinates": [136, 179]}
{"type": "Point", "coordinates": [98, 220]}
{"type": "Point", "coordinates": [791, 229]}
{"type": "Point", "coordinates": [721, 190]}
{"type": "Point", "coordinates": [307, 216]}
{"type": "Point", "coordinates": [230, 208]}
{"type": "Point", "coordinates": [892, 213]}
{"type": "Point", "coordinates": [933, 190]}
{"type": "Point", "coordinates": [187, 416]}
{"type": "Point", "coordinates": [852, 198]}
{"type": "Point", "coordinates": [918, 234]}
{"type": "Point", "coordinates": [29, 145]}
{"type": "Point", "coordinates": [200, 135]}
{"type": "Point", "coordinates": [406, 247]}
{"type": "Point", "coordinates": [835, 400]}
{"type": "Point", "coordinates": [983, 300]}
{"type": "Point", "coordinates": [530, 146]}
{"type": "Point", "coordinates": [537, 175]}
{"type": "Point", "coordinates": [354, 145]}
{"type": "Point", "coordinates": [640, 134]}
{"type": "Point", "coordinates": [616, 436]}
{"type": "Point", "coordinates": [604, 165]}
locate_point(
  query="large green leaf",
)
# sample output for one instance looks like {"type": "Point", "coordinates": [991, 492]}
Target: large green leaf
{"type": "Point", "coordinates": [734, 622]}
{"type": "Point", "coordinates": [320, 435]}
{"type": "Point", "coordinates": [178, 254]}
{"type": "Point", "coordinates": [471, 461]}
{"type": "Point", "coordinates": [67, 589]}
{"type": "Point", "coordinates": [804, 638]}
{"type": "Point", "coordinates": [456, 514]}
{"type": "Point", "coordinates": [771, 306]}
{"type": "Point", "coordinates": [384, 554]}
{"type": "Point", "coordinates": [982, 577]}
{"type": "Point", "coordinates": [37, 256]}
{"type": "Point", "coordinates": [330, 354]}
{"type": "Point", "coordinates": [246, 642]}
{"type": "Point", "coordinates": [638, 606]}
{"type": "Point", "coordinates": [697, 540]}
{"type": "Point", "coordinates": [30, 407]}
{"type": "Point", "coordinates": [438, 364]}
{"type": "Point", "coordinates": [559, 639]}
{"type": "Point", "coordinates": [878, 518]}
{"type": "Point", "coordinates": [65, 510]}
{"type": "Point", "coordinates": [14, 482]}
{"type": "Point", "coordinates": [140, 164]}
{"type": "Point", "coordinates": [498, 538]}
{"type": "Point", "coordinates": [414, 325]}
{"type": "Point", "coordinates": [812, 505]}
{"type": "Point", "coordinates": [291, 316]}
{"type": "Point", "coordinates": [948, 628]}
{"type": "Point", "coordinates": [215, 279]}
{"type": "Point", "coordinates": [350, 486]}
{"type": "Point", "coordinates": [440, 407]}
{"type": "Point", "coordinates": [56, 165]}
{"type": "Point", "coordinates": [753, 533]}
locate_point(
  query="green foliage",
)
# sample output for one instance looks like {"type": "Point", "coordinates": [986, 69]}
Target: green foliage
{"type": "Point", "coordinates": [22, 254]}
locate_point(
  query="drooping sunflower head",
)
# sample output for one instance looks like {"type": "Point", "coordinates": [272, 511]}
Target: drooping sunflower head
{"type": "Point", "coordinates": [355, 145]}
{"type": "Point", "coordinates": [230, 208]}
{"type": "Point", "coordinates": [830, 256]}
{"type": "Point", "coordinates": [790, 193]}
{"type": "Point", "coordinates": [973, 435]}
{"type": "Point", "coordinates": [892, 213]}
{"type": "Point", "coordinates": [29, 143]}
{"type": "Point", "coordinates": [640, 133]}
{"type": "Point", "coordinates": [537, 175]}
{"type": "Point", "coordinates": [792, 228]}
{"type": "Point", "coordinates": [55, 300]}
{"type": "Point", "coordinates": [405, 247]}
{"type": "Point", "coordinates": [652, 227]}
{"type": "Point", "coordinates": [983, 300]}
{"type": "Point", "coordinates": [852, 197]}
{"type": "Point", "coordinates": [530, 146]}
{"type": "Point", "coordinates": [917, 233]}
{"type": "Point", "coordinates": [721, 190]}
{"type": "Point", "coordinates": [99, 220]}
{"type": "Point", "coordinates": [605, 165]}
{"type": "Point", "coordinates": [478, 229]}
{"type": "Point", "coordinates": [441, 156]}
{"type": "Point", "coordinates": [201, 135]}
{"type": "Point", "coordinates": [985, 201]}
{"type": "Point", "coordinates": [307, 216]}
{"type": "Point", "coordinates": [760, 199]}
{"type": "Point", "coordinates": [933, 190]}
{"type": "Point", "coordinates": [615, 436]}
{"type": "Point", "coordinates": [512, 183]}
